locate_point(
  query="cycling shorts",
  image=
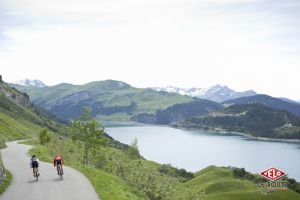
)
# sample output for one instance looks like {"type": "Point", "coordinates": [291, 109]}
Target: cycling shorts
{"type": "Point", "coordinates": [35, 164]}
{"type": "Point", "coordinates": [58, 162]}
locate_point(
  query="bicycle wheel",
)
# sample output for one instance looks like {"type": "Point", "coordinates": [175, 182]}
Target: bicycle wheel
{"type": "Point", "coordinates": [61, 173]}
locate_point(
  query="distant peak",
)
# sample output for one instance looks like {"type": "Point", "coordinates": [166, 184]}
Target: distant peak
{"type": "Point", "coordinates": [116, 82]}
{"type": "Point", "coordinates": [218, 93]}
{"type": "Point", "coordinates": [217, 86]}
{"type": "Point", "coordinates": [31, 83]}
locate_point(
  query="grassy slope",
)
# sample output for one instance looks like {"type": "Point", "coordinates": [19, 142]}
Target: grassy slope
{"type": "Point", "coordinates": [107, 186]}
{"type": "Point", "coordinates": [6, 182]}
{"type": "Point", "coordinates": [11, 129]}
{"type": "Point", "coordinates": [220, 184]}
{"type": "Point", "coordinates": [17, 121]}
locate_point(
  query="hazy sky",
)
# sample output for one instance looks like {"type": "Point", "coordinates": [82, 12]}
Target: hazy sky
{"type": "Point", "coordinates": [245, 44]}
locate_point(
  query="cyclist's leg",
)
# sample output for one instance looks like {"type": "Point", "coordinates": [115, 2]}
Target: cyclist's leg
{"type": "Point", "coordinates": [34, 171]}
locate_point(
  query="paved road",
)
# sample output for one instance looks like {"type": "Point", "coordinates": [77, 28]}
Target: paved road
{"type": "Point", "coordinates": [74, 186]}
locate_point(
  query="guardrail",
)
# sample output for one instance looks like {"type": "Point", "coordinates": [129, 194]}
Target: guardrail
{"type": "Point", "coordinates": [2, 172]}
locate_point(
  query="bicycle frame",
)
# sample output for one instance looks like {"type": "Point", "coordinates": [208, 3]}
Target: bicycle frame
{"type": "Point", "coordinates": [35, 173]}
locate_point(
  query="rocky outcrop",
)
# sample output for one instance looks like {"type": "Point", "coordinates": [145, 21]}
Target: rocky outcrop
{"type": "Point", "coordinates": [14, 95]}
{"type": "Point", "coordinates": [23, 100]}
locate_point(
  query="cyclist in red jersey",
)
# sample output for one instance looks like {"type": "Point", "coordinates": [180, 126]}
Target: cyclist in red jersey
{"type": "Point", "coordinates": [58, 160]}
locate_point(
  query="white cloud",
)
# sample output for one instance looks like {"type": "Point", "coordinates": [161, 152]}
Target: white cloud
{"type": "Point", "coordinates": [149, 43]}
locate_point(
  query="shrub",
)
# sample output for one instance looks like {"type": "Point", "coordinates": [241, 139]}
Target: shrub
{"type": "Point", "coordinates": [44, 136]}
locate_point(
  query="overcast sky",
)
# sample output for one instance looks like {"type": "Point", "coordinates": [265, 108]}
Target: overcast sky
{"type": "Point", "coordinates": [245, 44]}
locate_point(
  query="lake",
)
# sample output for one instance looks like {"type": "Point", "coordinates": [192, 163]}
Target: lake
{"type": "Point", "coordinates": [194, 150]}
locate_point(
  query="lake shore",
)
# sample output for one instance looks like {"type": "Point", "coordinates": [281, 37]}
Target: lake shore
{"type": "Point", "coordinates": [217, 130]}
{"type": "Point", "coordinates": [248, 136]}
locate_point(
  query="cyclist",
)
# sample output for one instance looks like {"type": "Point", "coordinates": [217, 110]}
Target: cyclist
{"type": "Point", "coordinates": [58, 160]}
{"type": "Point", "coordinates": [34, 164]}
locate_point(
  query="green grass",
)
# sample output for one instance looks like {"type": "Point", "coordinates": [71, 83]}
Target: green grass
{"type": "Point", "coordinates": [220, 184]}
{"type": "Point", "coordinates": [107, 186]}
{"type": "Point", "coordinates": [13, 129]}
{"type": "Point", "coordinates": [6, 183]}
{"type": "Point", "coordinates": [8, 179]}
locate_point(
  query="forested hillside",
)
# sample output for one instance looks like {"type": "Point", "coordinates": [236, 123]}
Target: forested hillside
{"type": "Point", "coordinates": [254, 119]}
{"type": "Point", "coordinates": [179, 112]}
{"type": "Point", "coordinates": [276, 103]}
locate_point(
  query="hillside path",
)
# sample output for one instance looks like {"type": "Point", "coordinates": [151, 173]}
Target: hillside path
{"type": "Point", "coordinates": [74, 185]}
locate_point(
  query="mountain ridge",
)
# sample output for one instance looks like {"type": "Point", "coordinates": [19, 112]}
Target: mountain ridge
{"type": "Point", "coordinates": [217, 93]}
{"type": "Point", "coordinates": [179, 112]}
{"type": "Point", "coordinates": [268, 101]}
{"type": "Point", "coordinates": [107, 99]}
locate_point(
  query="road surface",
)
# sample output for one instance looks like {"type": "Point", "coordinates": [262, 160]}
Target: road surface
{"type": "Point", "coordinates": [74, 186]}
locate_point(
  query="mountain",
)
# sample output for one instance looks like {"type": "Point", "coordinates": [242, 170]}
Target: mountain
{"type": "Point", "coordinates": [288, 100]}
{"type": "Point", "coordinates": [19, 118]}
{"type": "Point", "coordinates": [179, 112]}
{"type": "Point", "coordinates": [193, 92]}
{"type": "Point", "coordinates": [255, 119]}
{"type": "Point", "coordinates": [215, 93]}
{"type": "Point", "coordinates": [30, 83]}
{"type": "Point", "coordinates": [268, 101]}
{"type": "Point", "coordinates": [108, 100]}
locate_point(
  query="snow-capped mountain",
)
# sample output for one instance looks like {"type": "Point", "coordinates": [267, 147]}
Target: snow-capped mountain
{"type": "Point", "coordinates": [217, 93]}
{"type": "Point", "coordinates": [194, 92]}
{"type": "Point", "coordinates": [30, 83]}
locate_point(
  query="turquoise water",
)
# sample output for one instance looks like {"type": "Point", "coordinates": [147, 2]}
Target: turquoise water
{"type": "Point", "coordinates": [195, 150]}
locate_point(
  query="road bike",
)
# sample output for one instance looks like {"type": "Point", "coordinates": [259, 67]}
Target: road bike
{"type": "Point", "coordinates": [60, 171]}
{"type": "Point", "coordinates": [36, 173]}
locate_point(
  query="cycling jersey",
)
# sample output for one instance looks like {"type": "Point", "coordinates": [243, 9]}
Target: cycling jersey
{"type": "Point", "coordinates": [34, 162]}
{"type": "Point", "coordinates": [57, 160]}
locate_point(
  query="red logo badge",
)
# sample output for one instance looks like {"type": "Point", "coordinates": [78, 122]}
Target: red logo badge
{"type": "Point", "coordinates": [272, 174]}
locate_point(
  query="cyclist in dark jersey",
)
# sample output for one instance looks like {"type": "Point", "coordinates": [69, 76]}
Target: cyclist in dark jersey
{"type": "Point", "coordinates": [34, 164]}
